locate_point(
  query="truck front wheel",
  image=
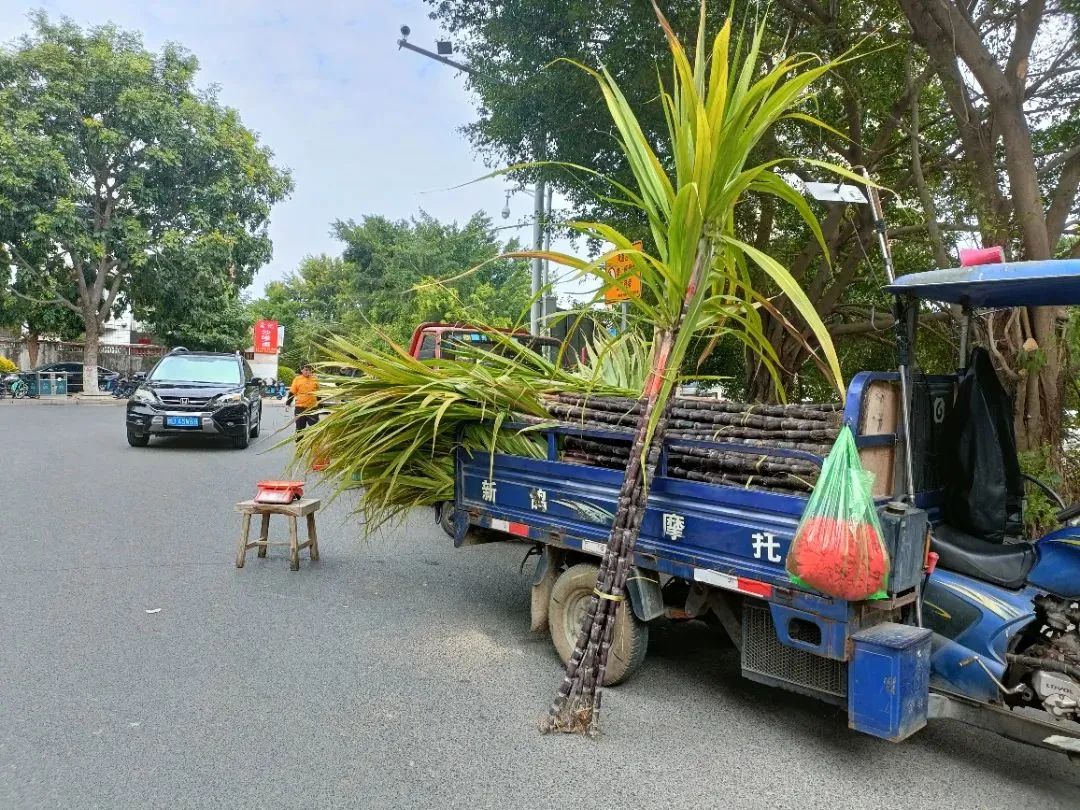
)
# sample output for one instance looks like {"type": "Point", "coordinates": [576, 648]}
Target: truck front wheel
{"type": "Point", "coordinates": [569, 603]}
{"type": "Point", "coordinates": [446, 517]}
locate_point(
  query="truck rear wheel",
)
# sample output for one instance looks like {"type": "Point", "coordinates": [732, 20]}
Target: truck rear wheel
{"type": "Point", "coordinates": [569, 602]}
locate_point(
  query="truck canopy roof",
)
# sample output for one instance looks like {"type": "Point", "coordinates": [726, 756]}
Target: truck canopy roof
{"type": "Point", "coordinates": [1054, 282]}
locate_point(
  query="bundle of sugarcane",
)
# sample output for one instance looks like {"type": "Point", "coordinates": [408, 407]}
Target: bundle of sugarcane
{"type": "Point", "coordinates": [696, 278]}
{"type": "Point", "coordinates": [811, 425]}
{"type": "Point", "coordinates": [743, 469]}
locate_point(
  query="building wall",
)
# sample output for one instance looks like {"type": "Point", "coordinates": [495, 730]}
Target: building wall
{"type": "Point", "coordinates": [125, 358]}
{"type": "Point", "coordinates": [263, 365]}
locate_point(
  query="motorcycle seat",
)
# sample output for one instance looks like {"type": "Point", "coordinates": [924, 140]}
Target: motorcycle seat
{"type": "Point", "coordinates": [1005, 565]}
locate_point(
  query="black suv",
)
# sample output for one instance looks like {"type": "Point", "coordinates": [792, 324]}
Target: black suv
{"type": "Point", "coordinates": [196, 392]}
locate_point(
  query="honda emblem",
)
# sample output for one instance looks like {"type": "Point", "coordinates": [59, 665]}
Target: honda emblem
{"type": "Point", "coordinates": [183, 400]}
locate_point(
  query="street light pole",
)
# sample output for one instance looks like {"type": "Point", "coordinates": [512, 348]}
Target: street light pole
{"type": "Point", "coordinates": [548, 312]}
{"type": "Point", "coordinates": [537, 312]}
{"type": "Point", "coordinates": [537, 263]}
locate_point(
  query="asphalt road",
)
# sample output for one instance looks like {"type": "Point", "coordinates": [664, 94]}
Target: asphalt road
{"type": "Point", "coordinates": [395, 672]}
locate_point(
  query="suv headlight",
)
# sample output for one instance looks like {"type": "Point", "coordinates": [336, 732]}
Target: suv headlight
{"type": "Point", "coordinates": [229, 399]}
{"type": "Point", "coordinates": [145, 396]}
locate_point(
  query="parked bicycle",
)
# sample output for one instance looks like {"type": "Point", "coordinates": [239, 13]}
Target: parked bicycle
{"type": "Point", "coordinates": [274, 389]}
{"type": "Point", "coordinates": [14, 386]}
{"type": "Point", "coordinates": [125, 387]}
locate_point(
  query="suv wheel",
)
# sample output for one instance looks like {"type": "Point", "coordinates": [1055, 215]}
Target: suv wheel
{"type": "Point", "coordinates": [241, 442]}
{"type": "Point", "coordinates": [254, 432]}
{"type": "Point", "coordinates": [135, 440]}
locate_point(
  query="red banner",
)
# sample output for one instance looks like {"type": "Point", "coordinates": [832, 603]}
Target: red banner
{"type": "Point", "coordinates": [266, 337]}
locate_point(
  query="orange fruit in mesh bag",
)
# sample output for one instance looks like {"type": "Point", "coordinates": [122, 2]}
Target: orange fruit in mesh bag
{"type": "Point", "coordinates": [841, 558]}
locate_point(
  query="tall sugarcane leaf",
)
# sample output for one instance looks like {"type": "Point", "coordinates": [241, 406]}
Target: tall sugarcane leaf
{"type": "Point", "coordinates": [790, 287]}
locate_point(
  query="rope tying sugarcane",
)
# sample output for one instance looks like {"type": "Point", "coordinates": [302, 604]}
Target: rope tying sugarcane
{"type": "Point", "coordinates": [609, 596]}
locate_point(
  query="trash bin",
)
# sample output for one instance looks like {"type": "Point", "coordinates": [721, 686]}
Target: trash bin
{"type": "Point", "coordinates": [48, 385]}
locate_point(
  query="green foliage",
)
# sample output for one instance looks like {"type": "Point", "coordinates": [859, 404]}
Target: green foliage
{"type": "Point", "coordinates": [522, 90]}
{"type": "Point", "coordinates": [7, 366]}
{"type": "Point", "coordinates": [394, 425]}
{"type": "Point", "coordinates": [1040, 513]}
{"type": "Point", "coordinates": [368, 292]}
{"type": "Point", "coordinates": [620, 363]}
{"type": "Point", "coordinates": [188, 297]}
{"type": "Point", "coordinates": [121, 180]}
{"type": "Point", "coordinates": [21, 310]}
{"type": "Point", "coordinates": [285, 375]}
{"type": "Point", "coordinates": [719, 105]}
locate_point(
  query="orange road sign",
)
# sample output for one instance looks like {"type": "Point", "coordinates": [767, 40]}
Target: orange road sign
{"type": "Point", "coordinates": [628, 283]}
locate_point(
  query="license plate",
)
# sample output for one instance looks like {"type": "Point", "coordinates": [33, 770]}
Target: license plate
{"type": "Point", "coordinates": [182, 421]}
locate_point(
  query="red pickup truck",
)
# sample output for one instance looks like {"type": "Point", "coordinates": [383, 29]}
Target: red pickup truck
{"type": "Point", "coordinates": [438, 340]}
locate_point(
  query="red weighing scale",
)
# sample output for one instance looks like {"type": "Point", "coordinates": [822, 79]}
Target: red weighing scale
{"type": "Point", "coordinates": [279, 491]}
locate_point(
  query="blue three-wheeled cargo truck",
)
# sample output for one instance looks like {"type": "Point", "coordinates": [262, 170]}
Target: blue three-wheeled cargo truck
{"type": "Point", "coordinates": [988, 637]}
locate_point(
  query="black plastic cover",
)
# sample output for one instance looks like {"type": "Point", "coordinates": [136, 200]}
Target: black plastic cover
{"type": "Point", "coordinates": [980, 472]}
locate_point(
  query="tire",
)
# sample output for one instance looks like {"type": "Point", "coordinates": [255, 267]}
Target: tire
{"type": "Point", "coordinates": [446, 517]}
{"type": "Point", "coordinates": [254, 432]}
{"type": "Point", "coordinates": [241, 442]}
{"type": "Point", "coordinates": [135, 440]}
{"type": "Point", "coordinates": [569, 601]}
{"type": "Point", "coordinates": [20, 392]}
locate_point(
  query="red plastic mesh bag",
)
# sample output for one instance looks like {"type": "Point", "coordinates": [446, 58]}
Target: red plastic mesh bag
{"type": "Point", "coordinates": [838, 548]}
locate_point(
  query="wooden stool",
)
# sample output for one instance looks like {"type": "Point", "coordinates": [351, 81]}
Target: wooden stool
{"type": "Point", "coordinates": [305, 507]}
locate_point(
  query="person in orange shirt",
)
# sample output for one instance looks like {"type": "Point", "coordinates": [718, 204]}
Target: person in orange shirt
{"type": "Point", "coordinates": [302, 394]}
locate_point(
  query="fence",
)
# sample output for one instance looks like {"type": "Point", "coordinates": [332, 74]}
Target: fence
{"type": "Point", "coordinates": [126, 358]}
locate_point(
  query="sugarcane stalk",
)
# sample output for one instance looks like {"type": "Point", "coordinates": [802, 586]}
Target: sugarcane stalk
{"type": "Point", "coordinates": [791, 485]}
{"type": "Point", "coordinates": [576, 708]}
{"type": "Point", "coordinates": [765, 440]}
{"type": "Point", "coordinates": [602, 419]}
{"type": "Point", "coordinates": [688, 457]}
{"type": "Point", "coordinates": [826, 412]}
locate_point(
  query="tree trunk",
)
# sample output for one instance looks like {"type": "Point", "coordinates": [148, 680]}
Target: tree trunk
{"type": "Point", "coordinates": [949, 34]}
{"type": "Point", "coordinates": [761, 387]}
{"type": "Point", "coordinates": [33, 346]}
{"type": "Point", "coordinates": [90, 353]}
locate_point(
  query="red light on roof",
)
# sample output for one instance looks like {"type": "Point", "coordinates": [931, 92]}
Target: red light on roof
{"type": "Point", "coordinates": [969, 257]}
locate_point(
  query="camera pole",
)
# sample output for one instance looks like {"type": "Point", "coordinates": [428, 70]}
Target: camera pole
{"type": "Point", "coordinates": [537, 312]}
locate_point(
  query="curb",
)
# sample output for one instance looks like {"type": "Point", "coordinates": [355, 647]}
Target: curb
{"type": "Point", "coordinates": [61, 402]}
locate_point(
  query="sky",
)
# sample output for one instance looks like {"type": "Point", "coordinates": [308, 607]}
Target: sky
{"type": "Point", "coordinates": [366, 128]}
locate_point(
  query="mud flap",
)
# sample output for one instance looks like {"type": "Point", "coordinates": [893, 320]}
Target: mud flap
{"type": "Point", "coordinates": [646, 599]}
{"type": "Point", "coordinates": [544, 575]}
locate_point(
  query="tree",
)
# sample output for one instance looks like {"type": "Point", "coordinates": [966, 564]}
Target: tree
{"type": "Point", "coordinates": [20, 311]}
{"type": "Point", "coordinates": [116, 168]}
{"type": "Point", "coordinates": [1010, 79]}
{"type": "Point", "coordinates": [310, 303]}
{"type": "Point", "coordinates": [187, 300]}
{"type": "Point", "coordinates": [369, 289]}
{"type": "Point", "coordinates": [522, 90]}
{"type": "Point", "coordinates": [946, 101]}
{"type": "Point", "coordinates": [388, 259]}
